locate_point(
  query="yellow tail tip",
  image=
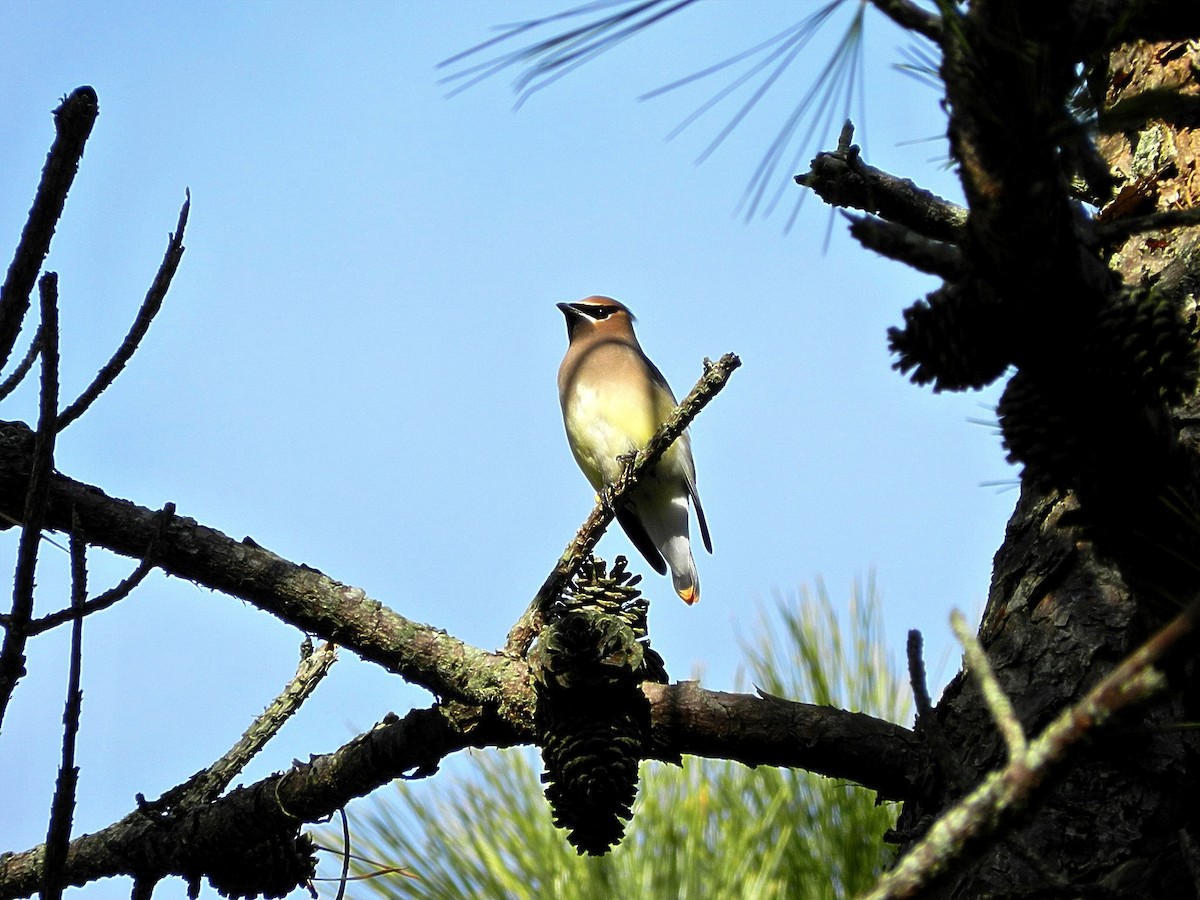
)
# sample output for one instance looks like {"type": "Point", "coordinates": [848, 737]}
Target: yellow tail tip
{"type": "Point", "coordinates": [689, 595]}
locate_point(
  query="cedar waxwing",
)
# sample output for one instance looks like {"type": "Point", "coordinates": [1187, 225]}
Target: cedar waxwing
{"type": "Point", "coordinates": [613, 401]}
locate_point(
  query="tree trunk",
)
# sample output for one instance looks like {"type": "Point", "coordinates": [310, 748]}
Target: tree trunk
{"type": "Point", "coordinates": [1121, 816]}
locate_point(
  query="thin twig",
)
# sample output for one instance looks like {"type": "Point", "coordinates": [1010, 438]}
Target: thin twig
{"type": "Point", "coordinates": [345, 854]}
{"type": "Point", "coordinates": [12, 656]}
{"type": "Point", "coordinates": [378, 869]}
{"type": "Point", "coordinates": [62, 809]}
{"type": "Point", "coordinates": [205, 786]}
{"type": "Point", "coordinates": [1001, 792]}
{"type": "Point", "coordinates": [997, 701]}
{"type": "Point", "coordinates": [112, 595]}
{"type": "Point", "coordinates": [18, 374]}
{"type": "Point", "coordinates": [73, 121]}
{"type": "Point", "coordinates": [141, 323]}
{"type": "Point", "coordinates": [710, 384]}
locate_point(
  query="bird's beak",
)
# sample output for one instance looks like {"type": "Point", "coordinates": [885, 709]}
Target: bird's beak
{"type": "Point", "coordinates": [565, 308]}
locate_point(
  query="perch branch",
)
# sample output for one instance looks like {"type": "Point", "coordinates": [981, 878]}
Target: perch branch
{"type": "Point", "coordinates": [73, 121]}
{"type": "Point", "coordinates": [715, 376]}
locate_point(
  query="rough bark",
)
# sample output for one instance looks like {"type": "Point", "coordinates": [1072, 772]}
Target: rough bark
{"type": "Point", "coordinates": [1120, 819]}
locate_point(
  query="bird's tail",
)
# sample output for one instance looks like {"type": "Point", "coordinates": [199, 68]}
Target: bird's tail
{"type": "Point", "coordinates": [670, 535]}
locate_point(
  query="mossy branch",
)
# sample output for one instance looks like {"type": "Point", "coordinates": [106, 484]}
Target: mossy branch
{"type": "Point", "coordinates": [1007, 789]}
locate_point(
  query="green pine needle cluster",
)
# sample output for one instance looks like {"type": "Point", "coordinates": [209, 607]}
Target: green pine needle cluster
{"type": "Point", "coordinates": [709, 830]}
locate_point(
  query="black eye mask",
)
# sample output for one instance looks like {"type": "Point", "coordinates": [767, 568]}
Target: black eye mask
{"type": "Point", "coordinates": [597, 312]}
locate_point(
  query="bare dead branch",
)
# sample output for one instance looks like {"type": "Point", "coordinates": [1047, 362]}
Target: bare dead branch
{"type": "Point", "coordinates": [141, 323]}
{"type": "Point", "coordinates": [34, 498]}
{"type": "Point", "coordinates": [73, 121]}
{"type": "Point", "coordinates": [715, 376]}
{"type": "Point", "coordinates": [13, 381]}
{"type": "Point", "coordinates": [62, 808]}
{"type": "Point", "coordinates": [901, 243]}
{"type": "Point", "coordinates": [911, 17]}
{"type": "Point", "coordinates": [841, 178]}
{"type": "Point", "coordinates": [1000, 793]}
{"type": "Point", "coordinates": [916, 673]}
{"type": "Point", "coordinates": [112, 595]}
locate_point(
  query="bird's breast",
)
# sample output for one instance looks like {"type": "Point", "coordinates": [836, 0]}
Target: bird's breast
{"type": "Point", "coordinates": [604, 424]}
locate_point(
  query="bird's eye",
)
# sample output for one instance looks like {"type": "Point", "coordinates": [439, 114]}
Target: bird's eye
{"type": "Point", "coordinates": [599, 312]}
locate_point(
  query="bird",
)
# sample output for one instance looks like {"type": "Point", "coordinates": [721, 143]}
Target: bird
{"type": "Point", "coordinates": [613, 400]}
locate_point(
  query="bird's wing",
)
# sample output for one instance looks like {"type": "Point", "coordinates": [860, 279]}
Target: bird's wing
{"type": "Point", "coordinates": [637, 533]}
{"type": "Point", "coordinates": [691, 486]}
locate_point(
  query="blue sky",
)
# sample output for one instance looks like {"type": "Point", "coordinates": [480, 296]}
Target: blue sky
{"type": "Point", "coordinates": [356, 363]}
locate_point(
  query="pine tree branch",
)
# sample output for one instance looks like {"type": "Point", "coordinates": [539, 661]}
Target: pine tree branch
{"type": "Point", "coordinates": [224, 836]}
{"type": "Point", "coordinates": [295, 593]}
{"type": "Point", "coordinates": [1112, 232]}
{"type": "Point", "coordinates": [110, 597]}
{"type": "Point", "coordinates": [841, 178]}
{"type": "Point", "coordinates": [771, 731]}
{"type": "Point", "coordinates": [993, 694]}
{"type": "Point", "coordinates": [151, 842]}
{"type": "Point", "coordinates": [17, 375]}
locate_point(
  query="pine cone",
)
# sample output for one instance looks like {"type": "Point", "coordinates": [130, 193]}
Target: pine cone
{"type": "Point", "coordinates": [592, 718]}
